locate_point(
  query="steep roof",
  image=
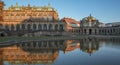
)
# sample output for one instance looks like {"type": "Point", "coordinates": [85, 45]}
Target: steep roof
{"type": "Point", "coordinates": [70, 20]}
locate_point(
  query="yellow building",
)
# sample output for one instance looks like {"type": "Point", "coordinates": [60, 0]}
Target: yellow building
{"type": "Point", "coordinates": [16, 14]}
{"type": "Point", "coordinates": [19, 19]}
{"type": "Point", "coordinates": [1, 11]}
{"type": "Point", "coordinates": [37, 52]}
{"type": "Point", "coordinates": [15, 55]}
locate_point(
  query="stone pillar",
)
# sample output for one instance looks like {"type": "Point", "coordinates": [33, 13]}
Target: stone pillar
{"type": "Point", "coordinates": [42, 44]}
{"type": "Point", "coordinates": [92, 31]}
{"type": "Point", "coordinates": [37, 26]}
{"type": "Point", "coordinates": [47, 44]}
{"type": "Point", "coordinates": [87, 31]}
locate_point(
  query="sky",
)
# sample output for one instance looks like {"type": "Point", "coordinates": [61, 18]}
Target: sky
{"type": "Point", "coordinates": [105, 11]}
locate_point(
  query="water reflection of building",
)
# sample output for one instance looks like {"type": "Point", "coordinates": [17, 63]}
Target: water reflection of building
{"type": "Point", "coordinates": [89, 45]}
{"type": "Point", "coordinates": [47, 52]}
{"type": "Point", "coordinates": [31, 53]}
{"type": "Point", "coordinates": [71, 25]}
{"type": "Point", "coordinates": [39, 52]}
{"type": "Point", "coordinates": [71, 45]}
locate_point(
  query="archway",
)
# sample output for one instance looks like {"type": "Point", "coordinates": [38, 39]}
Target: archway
{"type": "Point", "coordinates": [56, 27]}
{"type": "Point", "coordinates": [34, 27]}
{"type": "Point", "coordinates": [95, 31]}
{"type": "Point", "coordinates": [18, 27]}
{"type": "Point", "coordinates": [23, 27]}
{"type": "Point", "coordinates": [84, 31]}
{"type": "Point", "coordinates": [90, 31]}
{"type": "Point", "coordinates": [2, 34]}
{"type": "Point", "coordinates": [6, 27]}
{"type": "Point", "coordinates": [50, 27]}
{"type": "Point", "coordinates": [12, 27]}
{"type": "Point", "coordinates": [39, 27]}
{"type": "Point", "coordinates": [1, 26]}
{"type": "Point", "coordinates": [28, 27]}
{"type": "Point", "coordinates": [45, 27]}
{"type": "Point", "coordinates": [61, 28]}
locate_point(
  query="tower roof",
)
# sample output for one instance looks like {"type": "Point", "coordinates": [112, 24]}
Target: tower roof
{"type": "Point", "coordinates": [89, 18]}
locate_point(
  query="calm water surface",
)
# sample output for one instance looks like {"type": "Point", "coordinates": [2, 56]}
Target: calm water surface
{"type": "Point", "coordinates": [62, 52]}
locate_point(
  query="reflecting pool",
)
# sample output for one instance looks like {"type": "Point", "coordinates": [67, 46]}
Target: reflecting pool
{"type": "Point", "coordinates": [87, 51]}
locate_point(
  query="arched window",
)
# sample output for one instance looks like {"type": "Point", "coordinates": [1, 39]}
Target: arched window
{"type": "Point", "coordinates": [61, 28]}
{"type": "Point", "coordinates": [99, 31]}
{"type": "Point", "coordinates": [12, 27]}
{"type": "Point", "coordinates": [56, 27]}
{"type": "Point", "coordinates": [119, 31]}
{"type": "Point", "coordinates": [50, 18]}
{"type": "Point", "coordinates": [50, 27]}
{"type": "Point", "coordinates": [18, 27]}
{"type": "Point", "coordinates": [39, 27]}
{"type": "Point", "coordinates": [28, 27]}
{"type": "Point", "coordinates": [90, 31]}
{"type": "Point", "coordinates": [23, 26]}
{"type": "Point", "coordinates": [34, 27]}
{"type": "Point", "coordinates": [1, 26]}
{"type": "Point", "coordinates": [85, 31]}
{"type": "Point", "coordinates": [79, 31]}
{"type": "Point", "coordinates": [45, 27]}
{"type": "Point", "coordinates": [95, 31]}
{"type": "Point", "coordinates": [45, 18]}
{"type": "Point", "coordinates": [2, 34]}
{"type": "Point", "coordinates": [6, 27]}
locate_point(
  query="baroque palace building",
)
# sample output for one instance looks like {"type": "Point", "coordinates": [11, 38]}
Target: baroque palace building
{"type": "Point", "coordinates": [43, 20]}
{"type": "Point", "coordinates": [27, 19]}
{"type": "Point", "coordinates": [92, 26]}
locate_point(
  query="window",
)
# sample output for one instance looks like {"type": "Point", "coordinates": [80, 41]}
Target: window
{"type": "Point", "coordinates": [17, 15]}
{"type": "Point", "coordinates": [18, 27]}
{"type": "Point", "coordinates": [39, 14]}
{"type": "Point", "coordinates": [23, 26]}
{"type": "Point", "coordinates": [12, 27]}
{"type": "Point", "coordinates": [45, 18]}
{"type": "Point", "coordinates": [29, 27]}
{"type": "Point", "coordinates": [50, 27]}
{"type": "Point", "coordinates": [6, 27]}
{"type": "Point", "coordinates": [34, 14]}
{"type": "Point", "coordinates": [34, 27]}
{"type": "Point", "coordinates": [7, 15]}
{"type": "Point", "coordinates": [50, 18]}
{"type": "Point", "coordinates": [12, 14]}
{"type": "Point", "coordinates": [45, 27]}
{"type": "Point", "coordinates": [39, 27]}
{"type": "Point", "coordinates": [23, 14]}
{"type": "Point", "coordinates": [28, 14]}
{"type": "Point", "coordinates": [56, 27]}
{"type": "Point", "coordinates": [1, 26]}
{"type": "Point", "coordinates": [61, 28]}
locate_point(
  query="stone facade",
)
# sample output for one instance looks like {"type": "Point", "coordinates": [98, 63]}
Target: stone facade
{"type": "Point", "coordinates": [71, 26]}
{"type": "Point", "coordinates": [91, 26]}
{"type": "Point", "coordinates": [36, 20]}
{"type": "Point", "coordinates": [19, 20]}
{"type": "Point", "coordinates": [16, 14]}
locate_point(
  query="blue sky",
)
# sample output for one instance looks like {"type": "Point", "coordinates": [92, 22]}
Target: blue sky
{"type": "Point", "coordinates": [104, 10]}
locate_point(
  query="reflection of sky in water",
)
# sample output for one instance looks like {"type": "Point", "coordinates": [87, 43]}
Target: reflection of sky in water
{"type": "Point", "coordinates": [107, 54]}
